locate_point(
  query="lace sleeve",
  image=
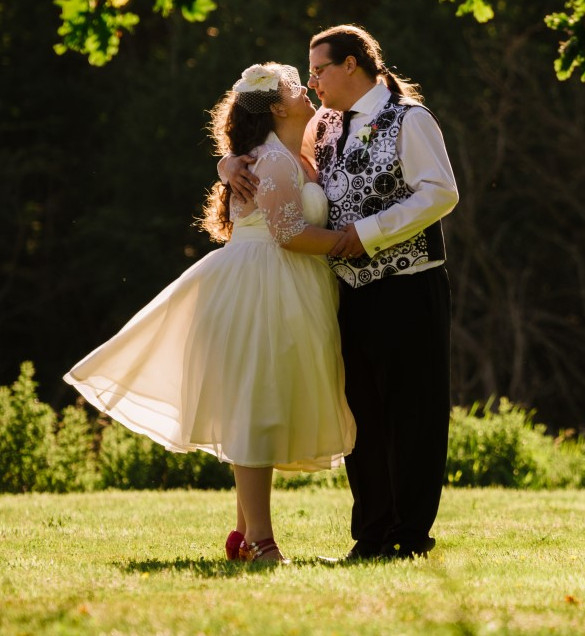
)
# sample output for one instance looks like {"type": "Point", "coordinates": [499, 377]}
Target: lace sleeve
{"type": "Point", "coordinates": [279, 195]}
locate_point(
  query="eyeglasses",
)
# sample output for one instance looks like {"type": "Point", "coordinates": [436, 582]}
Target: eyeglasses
{"type": "Point", "coordinates": [316, 72]}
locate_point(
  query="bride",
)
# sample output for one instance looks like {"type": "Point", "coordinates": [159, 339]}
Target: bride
{"type": "Point", "coordinates": [241, 356]}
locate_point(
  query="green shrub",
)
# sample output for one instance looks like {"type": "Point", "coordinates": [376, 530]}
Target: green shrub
{"type": "Point", "coordinates": [125, 459]}
{"type": "Point", "coordinates": [72, 462]}
{"type": "Point", "coordinates": [131, 461]}
{"type": "Point", "coordinates": [39, 452]}
{"type": "Point", "coordinates": [336, 478]}
{"type": "Point", "coordinates": [211, 474]}
{"type": "Point", "coordinates": [505, 448]}
{"type": "Point", "coordinates": [26, 435]}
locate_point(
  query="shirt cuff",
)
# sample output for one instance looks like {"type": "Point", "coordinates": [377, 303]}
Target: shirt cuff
{"type": "Point", "coordinates": [369, 232]}
{"type": "Point", "coordinates": [220, 165]}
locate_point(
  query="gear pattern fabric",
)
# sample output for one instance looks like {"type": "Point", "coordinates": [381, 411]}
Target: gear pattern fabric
{"type": "Point", "coordinates": [363, 180]}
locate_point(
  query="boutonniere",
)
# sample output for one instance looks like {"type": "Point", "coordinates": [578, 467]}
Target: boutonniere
{"type": "Point", "coordinates": [366, 134]}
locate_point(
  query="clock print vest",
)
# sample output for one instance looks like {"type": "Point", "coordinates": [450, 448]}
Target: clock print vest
{"type": "Point", "coordinates": [366, 178]}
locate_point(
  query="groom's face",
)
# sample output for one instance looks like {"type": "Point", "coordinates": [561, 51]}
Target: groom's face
{"type": "Point", "coordinates": [327, 78]}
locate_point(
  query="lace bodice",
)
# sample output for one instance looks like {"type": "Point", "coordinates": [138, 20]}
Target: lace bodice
{"type": "Point", "coordinates": [283, 199]}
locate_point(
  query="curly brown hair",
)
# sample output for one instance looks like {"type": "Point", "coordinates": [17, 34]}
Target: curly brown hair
{"type": "Point", "coordinates": [233, 130]}
{"type": "Point", "coordinates": [348, 39]}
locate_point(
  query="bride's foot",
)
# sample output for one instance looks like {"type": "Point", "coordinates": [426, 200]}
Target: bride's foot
{"type": "Point", "coordinates": [232, 545]}
{"type": "Point", "coordinates": [265, 550]}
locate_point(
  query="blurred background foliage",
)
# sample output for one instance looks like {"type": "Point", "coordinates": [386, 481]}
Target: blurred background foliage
{"type": "Point", "coordinates": [102, 170]}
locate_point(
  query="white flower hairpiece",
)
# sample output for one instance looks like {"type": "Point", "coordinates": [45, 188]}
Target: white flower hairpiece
{"type": "Point", "coordinates": [258, 78]}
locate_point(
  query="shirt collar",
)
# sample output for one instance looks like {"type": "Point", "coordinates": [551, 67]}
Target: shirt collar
{"type": "Point", "coordinates": [370, 102]}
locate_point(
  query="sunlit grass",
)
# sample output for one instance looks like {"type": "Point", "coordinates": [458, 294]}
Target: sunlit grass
{"type": "Point", "coordinates": [506, 562]}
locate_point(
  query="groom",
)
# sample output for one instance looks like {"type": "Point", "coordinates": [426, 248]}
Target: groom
{"type": "Point", "coordinates": [382, 162]}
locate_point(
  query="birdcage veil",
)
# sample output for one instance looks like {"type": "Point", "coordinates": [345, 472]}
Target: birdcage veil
{"type": "Point", "coordinates": [262, 85]}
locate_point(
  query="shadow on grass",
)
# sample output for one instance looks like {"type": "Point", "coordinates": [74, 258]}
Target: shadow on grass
{"type": "Point", "coordinates": [206, 568]}
{"type": "Point", "coordinates": [213, 568]}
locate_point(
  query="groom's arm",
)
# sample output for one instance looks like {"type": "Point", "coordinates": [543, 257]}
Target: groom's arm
{"type": "Point", "coordinates": [234, 170]}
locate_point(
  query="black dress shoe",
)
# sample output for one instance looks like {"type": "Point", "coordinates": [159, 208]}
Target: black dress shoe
{"type": "Point", "coordinates": [408, 551]}
{"type": "Point", "coordinates": [362, 550]}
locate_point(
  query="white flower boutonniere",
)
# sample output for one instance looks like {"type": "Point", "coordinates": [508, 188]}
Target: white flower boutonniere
{"type": "Point", "coordinates": [366, 134]}
{"type": "Point", "coordinates": [258, 78]}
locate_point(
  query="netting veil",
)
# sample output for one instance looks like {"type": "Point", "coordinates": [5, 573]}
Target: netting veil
{"type": "Point", "coordinates": [262, 85]}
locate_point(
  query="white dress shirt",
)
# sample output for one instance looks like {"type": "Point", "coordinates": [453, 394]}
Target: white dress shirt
{"type": "Point", "coordinates": [426, 168]}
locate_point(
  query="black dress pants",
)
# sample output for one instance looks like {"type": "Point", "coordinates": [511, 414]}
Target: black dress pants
{"type": "Point", "coordinates": [396, 347]}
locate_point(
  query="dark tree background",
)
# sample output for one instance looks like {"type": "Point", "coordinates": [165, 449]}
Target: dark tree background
{"type": "Point", "coordinates": [103, 169]}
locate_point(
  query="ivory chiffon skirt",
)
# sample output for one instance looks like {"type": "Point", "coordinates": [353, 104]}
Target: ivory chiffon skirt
{"type": "Point", "coordinates": [239, 357]}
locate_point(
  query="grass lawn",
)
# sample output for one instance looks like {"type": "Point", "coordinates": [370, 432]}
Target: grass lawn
{"type": "Point", "coordinates": [506, 562]}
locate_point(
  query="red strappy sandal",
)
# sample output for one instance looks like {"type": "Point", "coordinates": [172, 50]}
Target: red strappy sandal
{"type": "Point", "coordinates": [232, 545]}
{"type": "Point", "coordinates": [253, 551]}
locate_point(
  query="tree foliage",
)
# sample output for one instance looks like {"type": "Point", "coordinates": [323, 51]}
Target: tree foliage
{"type": "Point", "coordinates": [572, 50]}
{"type": "Point", "coordinates": [570, 22]}
{"type": "Point", "coordinates": [95, 27]}
{"type": "Point", "coordinates": [482, 11]}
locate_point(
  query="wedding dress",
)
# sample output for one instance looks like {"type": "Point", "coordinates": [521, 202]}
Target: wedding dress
{"type": "Point", "coordinates": [240, 356]}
